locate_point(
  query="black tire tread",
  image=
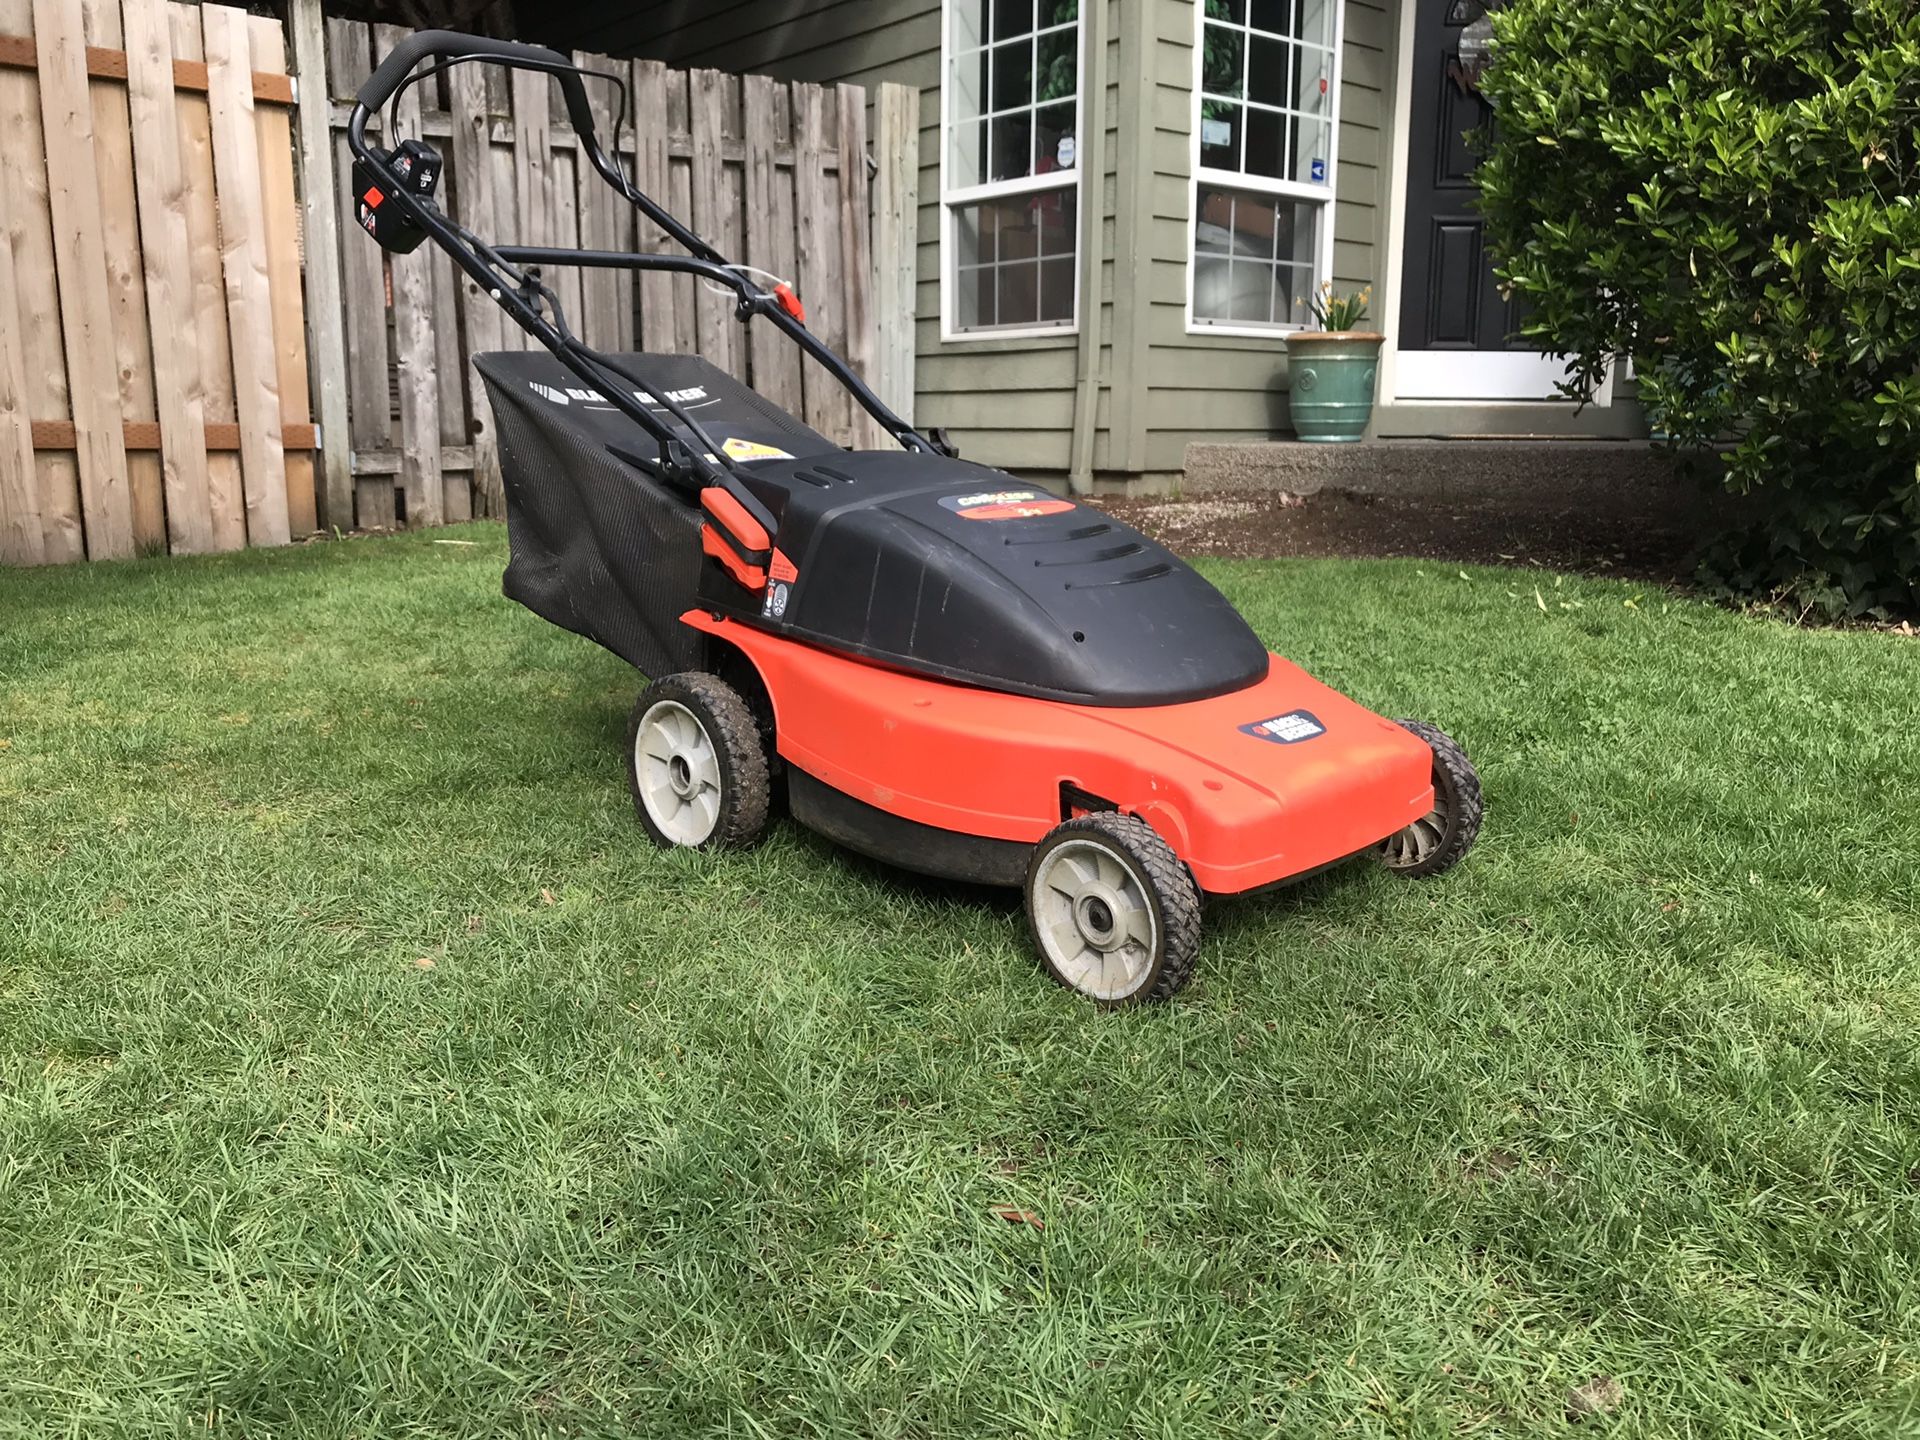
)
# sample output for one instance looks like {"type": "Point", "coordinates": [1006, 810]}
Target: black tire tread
{"type": "Point", "coordinates": [737, 740]}
{"type": "Point", "coordinates": [1451, 761]}
{"type": "Point", "coordinates": [1173, 889]}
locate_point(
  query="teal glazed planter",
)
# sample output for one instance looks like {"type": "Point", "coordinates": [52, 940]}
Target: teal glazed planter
{"type": "Point", "coordinates": [1332, 377]}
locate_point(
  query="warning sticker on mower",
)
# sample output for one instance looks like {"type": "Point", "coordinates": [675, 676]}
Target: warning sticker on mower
{"type": "Point", "coordinates": [752, 450]}
{"type": "Point", "coordinates": [1005, 504]}
{"type": "Point", "coordinates": [1288, 729]}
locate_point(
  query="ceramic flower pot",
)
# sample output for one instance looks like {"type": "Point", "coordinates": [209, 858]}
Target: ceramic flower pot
{"type": "Point", "coordinates": [1332, 375]}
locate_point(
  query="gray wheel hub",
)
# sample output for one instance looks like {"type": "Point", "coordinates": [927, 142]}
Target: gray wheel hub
{"type": "Point", "coordinates": [679, 772]}
{"type": "Point", "coordinates": [1096, 921]}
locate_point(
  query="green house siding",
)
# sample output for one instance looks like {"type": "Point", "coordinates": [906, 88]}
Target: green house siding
{"type": "Point", "coordinates": [1012, 402]}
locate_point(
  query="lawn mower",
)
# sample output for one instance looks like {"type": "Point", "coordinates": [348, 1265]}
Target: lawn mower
{"type": "Point", "coordinates": [933, 663]}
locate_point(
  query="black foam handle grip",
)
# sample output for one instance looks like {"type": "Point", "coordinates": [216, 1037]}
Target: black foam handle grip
{"type": "Point", "coordinates": [422, 43]}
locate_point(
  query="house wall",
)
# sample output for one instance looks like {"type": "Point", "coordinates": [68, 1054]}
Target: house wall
{"type": "Point", "coordinates": [1005, 402]}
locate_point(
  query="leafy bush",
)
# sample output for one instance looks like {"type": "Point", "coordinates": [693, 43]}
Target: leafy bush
{"type": "Point", "coordinates": [1727, 192]}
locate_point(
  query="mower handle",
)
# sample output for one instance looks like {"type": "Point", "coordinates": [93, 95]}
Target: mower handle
{"type": "Point", "coordinates": [422, 43]}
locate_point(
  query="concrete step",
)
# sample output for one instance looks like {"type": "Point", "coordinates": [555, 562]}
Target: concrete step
{"type": "Point", "coordinates": [1530, 476]}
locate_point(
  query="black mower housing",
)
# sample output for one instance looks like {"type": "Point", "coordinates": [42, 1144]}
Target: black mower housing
{"type": "Point", "coordinates": [910, 559]}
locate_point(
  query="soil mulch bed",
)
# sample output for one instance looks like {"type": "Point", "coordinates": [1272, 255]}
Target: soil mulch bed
{"type": "Point", "coordinates": [1339, 523]}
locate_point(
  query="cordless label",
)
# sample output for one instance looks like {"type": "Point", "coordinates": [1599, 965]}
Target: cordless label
{"type": "Point", "coordinates": [1005, 504]}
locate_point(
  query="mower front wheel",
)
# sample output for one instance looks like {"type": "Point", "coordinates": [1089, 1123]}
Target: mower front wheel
{"type": "Point", "coordinates": [1114, 913]}
{"type": "Point", "coordinates": [697, 764]}
{"type": "Point", "coordinates": [1440, 839]}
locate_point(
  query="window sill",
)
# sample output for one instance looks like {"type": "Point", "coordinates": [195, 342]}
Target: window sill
{"type": "Point", "coordinates": [1024, 333]}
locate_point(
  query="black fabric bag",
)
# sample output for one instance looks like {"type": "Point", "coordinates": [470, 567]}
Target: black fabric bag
{"type": "Point", "coordinates": [598, 546]}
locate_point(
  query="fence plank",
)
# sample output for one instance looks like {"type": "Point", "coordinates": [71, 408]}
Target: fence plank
{"type": "Point", "coordinates": [606, 320]}
{"type": "Point", "coordinates": [775, 360]}
{"type": "Point", "coordinates": [25, 218]}
{"type": "Point", "coordinates": [226, 502]}
{"type": "Point", "coordinates": [126, 277]}
{"type": "Point", "coordinates": [679, 200]}
{"type": "Point", "coordinates": [480, 319]}
{"type": "Point", "coordinates": [420, 482]}
{"type": "Point", "coordinates": [651, 167]}
{"type": "Point", "coordinates": [713, 308]}
{"type": "Point", "coordinates": [363, 266]}
{"type": "Point", "coordinates": [80, 265]}
{"type": "Point", "coordinates": [856, 255]}
{"type": "Point", "coordinates": [818, 259]}
{"type": "Point", "coordinates": [532, 155]}
{"type": "Point", "coordinates": [896, 242]}
{"type": "Point", "coordinates": [20, 539]}
{"type": "Point", "coordinates": [160, 192]}
{"type": "Point", "coordinates": [236, 169]}
{"type": "Point", "coordinates": [325, 312]}
{"type": "Point", "coordinates": [280, 207]}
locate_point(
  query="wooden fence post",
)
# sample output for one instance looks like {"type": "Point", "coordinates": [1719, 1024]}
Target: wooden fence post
{"type": "Point", "coordinates": [326, 322]}
{"type": "Point", "coordinates": [896, 242]}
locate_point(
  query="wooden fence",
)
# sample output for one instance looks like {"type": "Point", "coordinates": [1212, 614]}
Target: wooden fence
{"type": "Point", "coordinates": [153, 371]}
{"type": "Point", "coordinates": [154, 246]}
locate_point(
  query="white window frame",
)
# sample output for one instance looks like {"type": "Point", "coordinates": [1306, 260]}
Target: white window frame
{"type": "Point", "coordinates": [1327, 195]}
{"type": "Point", "coordinates": [950, 196]}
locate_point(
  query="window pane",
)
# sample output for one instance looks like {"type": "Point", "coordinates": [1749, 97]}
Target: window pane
{"type": "Point", "coordinates": [974, 291]}
{"type": "Point", "coordinates": [1312, 82]}
{"type": "Point", "coordinates": [1267, 63]}
{"type": "Point", "coordinates": [1251, 289]}
{"type": "Point", "coordinates": [1253, 223]}
{"type": "Point", "coordinates": [1054, 125]}
{"type": "Point", "coordinates": [1001, 274]}
{"type": "Point", "coordinates": [1234, 10]}
{"type": "Point", "coordinates": [1273, 16]}
{"type": "Point", "coordinates": [1012, 75]}
{"type": "Point", "coordinates": [1310, 151]}
{"type": "Point", "coordinates": [968, 78]}
{"type": "Point", "coordinates": [1266, 143]}
{"type": "Point", "coordinates": [1057, 77]}
{"type": "Point", "coordinates": [1219, 135]}
{"type": "Point", "coordinates": [969, 152]}
{"type": "Point", "coordinates": [1012, 145]}
{"type": "Point", "coordinates": [973, 234]}
{"type": "Point", "coordinates": [1250, 298]}
{"type": "Point", "coordinates": [1314, 21]}
{"type": "Point", "coordinates": [1054, 213]}
{"type": "Point", "coordinates": [1056, 290]}
{"type": "Point", "coordinates": [1019, 294]}
{"type": "Point", "coordinates": [1221, 68]}
{"type": "Point", "coordinates": [1012, 17]}
{"type": "Point", "coordinates": [1059, 12]}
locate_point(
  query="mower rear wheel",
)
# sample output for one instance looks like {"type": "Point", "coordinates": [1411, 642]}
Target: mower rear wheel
{"type": "Point", "coordinates": [1114, 913]}
{"type": "Point", "coordinates": [1438, 841]}
{"type": "Point", "coordinates": [697, 764]}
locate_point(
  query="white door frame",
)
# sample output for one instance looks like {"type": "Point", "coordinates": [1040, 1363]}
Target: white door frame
{"type": "Point", "coordinates": [1442, 377]}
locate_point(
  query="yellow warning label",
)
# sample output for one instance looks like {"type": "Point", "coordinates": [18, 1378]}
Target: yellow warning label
{"type": "Point", "coordinates": [753, 450]}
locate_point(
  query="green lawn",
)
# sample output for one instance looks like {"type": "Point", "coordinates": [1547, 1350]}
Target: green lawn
{"type": "Point", "coordinates": [364, 1072]}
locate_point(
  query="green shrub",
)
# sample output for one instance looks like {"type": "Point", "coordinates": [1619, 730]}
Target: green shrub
{"type": "Point", "coordinates": [1727, 192]}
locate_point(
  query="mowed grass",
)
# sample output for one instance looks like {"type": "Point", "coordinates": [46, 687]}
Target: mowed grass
{"type": "Point", "coordinates": [363, 1071]}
